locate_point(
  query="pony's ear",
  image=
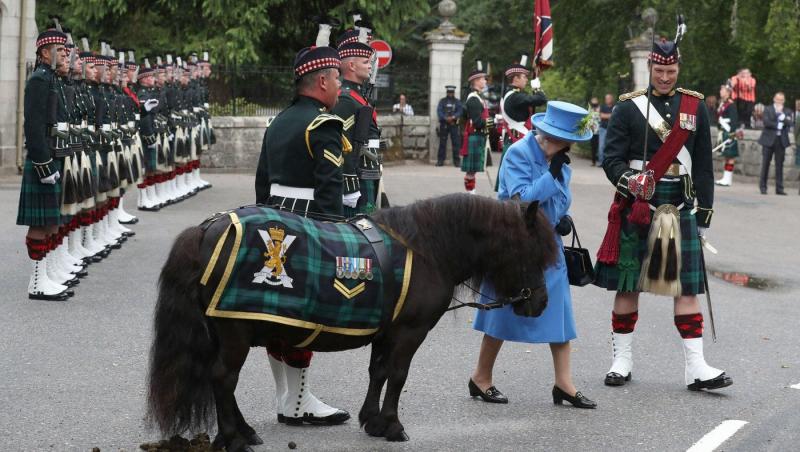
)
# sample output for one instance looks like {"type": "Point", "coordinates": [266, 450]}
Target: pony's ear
{"type": "Point", "coordinates": [530, 213]}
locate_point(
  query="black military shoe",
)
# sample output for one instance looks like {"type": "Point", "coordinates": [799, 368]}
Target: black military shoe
{"type": "Point", "coordinates": [615, 379]}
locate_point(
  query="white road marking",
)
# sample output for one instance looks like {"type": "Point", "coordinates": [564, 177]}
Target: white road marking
{"type": "Point", "coordinates": [716, 437]}
{"type": "Point", "coordinates": [797, 386]}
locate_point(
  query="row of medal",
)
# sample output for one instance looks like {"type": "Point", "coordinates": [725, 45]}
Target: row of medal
{"type": "Point", "coordinates": [354, 268]}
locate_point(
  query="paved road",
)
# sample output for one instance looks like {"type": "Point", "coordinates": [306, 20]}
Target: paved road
{"type": "Point", "coordinates": [73, 373]}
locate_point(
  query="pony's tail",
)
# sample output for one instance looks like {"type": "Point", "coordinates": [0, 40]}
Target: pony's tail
{"type": "Point", "coordinates": [180, 395]}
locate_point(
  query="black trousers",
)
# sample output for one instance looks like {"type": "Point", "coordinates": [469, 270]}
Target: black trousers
{"type": "Point", "coordinates": [744, 110]}
{"type": "Point", "coordinates": [595, 143]}
{"type": "Point", "coordinates": [779, 152]}
{"type": "Point", "coordinates": [454, 133]}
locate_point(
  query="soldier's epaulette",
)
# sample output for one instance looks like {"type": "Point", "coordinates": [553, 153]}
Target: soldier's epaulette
{"type": "Point", "coordinates": [318, 121]}
{"type": "Point", "coordinates": [691, 93]}
{"type": "Point", "coordinates": [632, 94]}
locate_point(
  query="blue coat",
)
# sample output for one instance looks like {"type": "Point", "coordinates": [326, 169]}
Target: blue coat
{"type": "Point", "coordinates": [525, 171]}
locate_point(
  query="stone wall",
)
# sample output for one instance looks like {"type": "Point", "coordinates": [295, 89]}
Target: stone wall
{"type": "Point", "coordinates": [749, 161]}
{"type": "Point", "coordinates": [239, 140]}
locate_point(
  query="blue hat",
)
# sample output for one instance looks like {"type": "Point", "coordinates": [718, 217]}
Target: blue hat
{"type": "Point", "coordinates": [563, 120]}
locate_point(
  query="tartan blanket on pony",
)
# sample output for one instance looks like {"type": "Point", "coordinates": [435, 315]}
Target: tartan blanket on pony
{"type": "Point", "coordinates": [289, 269]}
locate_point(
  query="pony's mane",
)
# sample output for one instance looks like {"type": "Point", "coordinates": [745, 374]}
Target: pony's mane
{"type": "Point", "coordinates": [437, 228]}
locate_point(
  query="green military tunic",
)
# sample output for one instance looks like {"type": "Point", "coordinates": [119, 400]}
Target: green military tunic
{"type": "Point", "coordinates": [303, 148]}
{"type": "Point", "coordinates": [39, 203]}
{"type": "Point", "coordinates": [347, 108]}
{"type": "Point", "coordinates": [624, 143]}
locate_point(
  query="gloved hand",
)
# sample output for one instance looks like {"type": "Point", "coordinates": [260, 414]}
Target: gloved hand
{"type": "Point", "coordinates": [536, 84]}
{"type": "Point", "coordinates": [701, 231]}
{"type": "Point", "coordinates": [564, 226]}
{"type": "Point", "coordinates": [557, 162]}
{"type": "Point", "coordinates": [51, 179]}
{"type": "Point", "coordinates": [150, 104]}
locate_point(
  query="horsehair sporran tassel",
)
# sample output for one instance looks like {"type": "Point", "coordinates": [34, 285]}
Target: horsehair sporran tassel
{"type": "Point", "coordinates": [654, 267]}
{"type": "Point", "coordinates": [672, 269]}
{"type": "Point", "coordinates": [645, 283]}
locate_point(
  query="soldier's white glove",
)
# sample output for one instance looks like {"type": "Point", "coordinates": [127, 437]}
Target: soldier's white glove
{"type": "Point", "coordinates": [701, 231]}
{"type": "Point", "coordinates": [536, 84]}
{"type": "Point", "coordinates": [150, 104]}
{"type": "Point", "coordinates": [51, 179]}
{"type": "Point", "coordinates": [725, 123]}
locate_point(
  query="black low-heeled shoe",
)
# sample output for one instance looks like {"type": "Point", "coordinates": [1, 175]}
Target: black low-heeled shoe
{"type": "Point", "coordinates": [491, 395]}
{"type": "Point", "coordinates": [578, 401]}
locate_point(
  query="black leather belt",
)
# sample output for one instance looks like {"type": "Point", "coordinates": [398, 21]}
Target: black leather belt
{"type": "Point", "coordinates": [372, 233]}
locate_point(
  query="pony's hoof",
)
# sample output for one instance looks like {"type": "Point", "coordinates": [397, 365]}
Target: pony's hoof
{"type": "Point", "coordinates": [365, 415]}
{"type": "Point", "coordinates": [254, 439]}
{"type": "Point", "coordinates": [396, 433]}
{"type": "Point", "coordinates": [375, 426]}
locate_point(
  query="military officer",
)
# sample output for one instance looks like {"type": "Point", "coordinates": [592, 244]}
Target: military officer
{"type": "Point", "coordinates": [300, 169]}
{"type": "Point", "coordinates": [728, 124]}
{"type": "Point", "coordinates": [40, 193]}
{"type": "Point", "coordinates": [448, 111]}
{"type": "Point", "coordinates": [667, 259]}
{"type": "Point", "coordinates": [473, 148]}
{"type": "Point", "coordinates": [353, 108]}
{"type": "Point", "coordinates": [517, 106]}
{"type": "Point", "coordinates": [148, 103]}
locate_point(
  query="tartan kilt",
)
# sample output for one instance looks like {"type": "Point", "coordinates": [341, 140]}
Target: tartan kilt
{"type": "Point", "coordinates": [473, 161]}
{"type": "Point", "coordinates": [39, 204]}
{"type": "Point", "coordinates": [732, 150]}
{"type": "Point", "coordinates": [367, 200]}
{"type": "Point", "coordinates": [151, 157]}
{"type": "Point", "coordinates": [624, 276]}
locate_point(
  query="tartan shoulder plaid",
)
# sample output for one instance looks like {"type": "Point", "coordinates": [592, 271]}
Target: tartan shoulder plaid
{"type": "Point", "coordinates": [289, 269]}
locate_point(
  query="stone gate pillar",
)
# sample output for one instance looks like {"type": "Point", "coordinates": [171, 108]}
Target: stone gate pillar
{"type": "Point", "coordinates": [446, 46]}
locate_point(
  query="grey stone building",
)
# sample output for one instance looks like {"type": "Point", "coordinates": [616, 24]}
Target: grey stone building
{"type": "Point", "coordinates": [13, 24]}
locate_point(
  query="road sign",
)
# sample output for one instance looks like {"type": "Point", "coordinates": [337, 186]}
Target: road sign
{"type": "Point", "coordinates": [382, 81]}
{"type": "Point", "coordinates": [384, 52]}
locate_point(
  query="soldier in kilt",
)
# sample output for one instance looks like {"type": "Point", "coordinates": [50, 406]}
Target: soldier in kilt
{"type": "Point", "coordinates": [664, 258]}
{"type": "Point", "coordinates": [357, 115]}
{"type": "Point", "coordinates": [300, 169]}
{"type": "Point", "coordinates": [40, 193]}
{"type": "Point", "coordinates": [148, 108]}
{"type": "Point", "coordinates": [473, 146]}
{"type": "Point", "coordinates": [728, 125]}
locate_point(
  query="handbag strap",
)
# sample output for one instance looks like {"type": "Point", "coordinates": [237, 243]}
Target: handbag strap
{"type": "Point", "coordinates": [574, 234]}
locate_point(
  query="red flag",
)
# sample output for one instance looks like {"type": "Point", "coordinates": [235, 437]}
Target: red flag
{"type": "Point", "coordinates": [543, 35]}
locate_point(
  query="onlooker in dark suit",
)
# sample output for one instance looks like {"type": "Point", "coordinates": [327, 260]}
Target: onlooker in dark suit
{"type": "Point", "coordinates": [774, 141]}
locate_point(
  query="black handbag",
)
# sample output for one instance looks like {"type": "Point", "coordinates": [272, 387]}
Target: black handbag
{"type": "Point", "coordinates": [579, 262]}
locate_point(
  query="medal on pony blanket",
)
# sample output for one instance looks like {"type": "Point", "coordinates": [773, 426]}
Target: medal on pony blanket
{"type": "Point", "coordinates": [661, 268]}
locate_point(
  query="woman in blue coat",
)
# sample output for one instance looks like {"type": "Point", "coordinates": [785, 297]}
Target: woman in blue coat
{"type": "Point", "coordinates": [536, 169]}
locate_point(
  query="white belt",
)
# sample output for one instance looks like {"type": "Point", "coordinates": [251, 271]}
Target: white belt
{"type": "Point", "coordinates": [291, 192]}
{"type": "Point", "coordinates": [637, 165]}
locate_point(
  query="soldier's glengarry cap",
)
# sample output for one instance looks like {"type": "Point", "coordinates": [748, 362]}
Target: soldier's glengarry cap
{"type": "Point", "coordinates": [319, 56]}
{"type": "Point", "coordinates": [518, 68]}
{"type": "Point", "coordinates": [355, 49]}
{"type": "Point", "coordinates": [478, 72]}
{"type": "Point", "coordinates": [51, 36]}
{"type": "Point", "coordinates": [315, 58]}
{"type": "Point", "coordinates": [665, 52]}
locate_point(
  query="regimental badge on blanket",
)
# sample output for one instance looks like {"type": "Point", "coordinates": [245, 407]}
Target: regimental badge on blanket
{"type": "Point", "coordinates": [688, 122]}
{"type": "Point", "coordinates": [274, 271]}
